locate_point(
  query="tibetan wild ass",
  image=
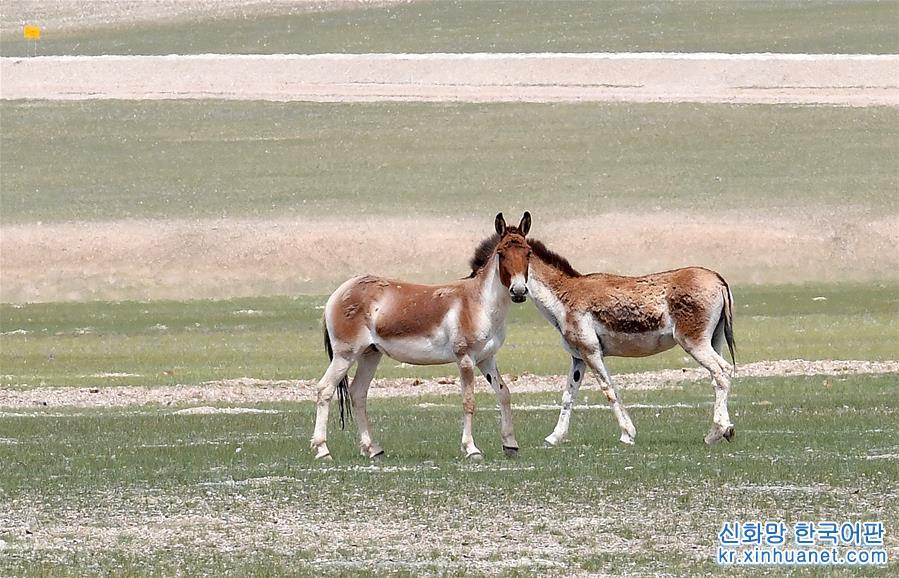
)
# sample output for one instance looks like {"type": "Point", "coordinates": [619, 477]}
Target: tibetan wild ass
{"type": "Point", "coordinates": [600, 315]}
{"type": "Point", "coordinates": [462, 322]}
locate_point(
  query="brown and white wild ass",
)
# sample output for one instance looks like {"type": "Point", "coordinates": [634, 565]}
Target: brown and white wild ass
{"type": "Point", "coordinates": [462, 322]}
{"type": "Point", "coordinates": [601, 315]}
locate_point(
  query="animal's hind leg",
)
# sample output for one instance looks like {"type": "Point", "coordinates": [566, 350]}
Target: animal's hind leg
{"type": "Point", "coordinates": [569, 397]}
{"type": "Point", "coordinates": [365, 371]}
{"type": "Point", "coordinates": [719, 342]}
{"type": "Point", "coordinates": [326, 387]}
{"type": "Point", "coordinates": [717, 366]}
{"type": "Point", "coordinates": [610, 390]}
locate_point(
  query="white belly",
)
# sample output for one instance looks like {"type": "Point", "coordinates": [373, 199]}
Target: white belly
{"type": "Point", "coordinates": [418, 350]}
{"type": "Point", "coordinates": [635, 344]}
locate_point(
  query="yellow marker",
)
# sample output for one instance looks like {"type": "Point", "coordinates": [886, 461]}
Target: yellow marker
{"type": "Point", "coordinates": [32, 32]}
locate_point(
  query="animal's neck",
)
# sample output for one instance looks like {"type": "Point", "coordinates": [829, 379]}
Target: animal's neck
{"type": "Point", "coordinates": [494, 295]}
{"type": "Point", "coordinates": [547, 274]}
{"type": "Point", "coordinates": [545, 287]}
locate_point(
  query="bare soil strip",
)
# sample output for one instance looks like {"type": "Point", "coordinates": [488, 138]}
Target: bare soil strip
{"type": "Point", "coordinates": [849, 80]}
{"type": "Point", "coordinates": [180, 259]}
{"type": "Point", "coordinates": [250, 390]}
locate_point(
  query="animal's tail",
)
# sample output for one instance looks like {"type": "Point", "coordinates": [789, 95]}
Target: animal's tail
{"type": "Point", "coordinates": [343, 398]}
{"type": "Point", "coordinates": [728, 317]}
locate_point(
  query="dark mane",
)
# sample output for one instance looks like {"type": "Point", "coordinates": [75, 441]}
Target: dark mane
{"type": "Point", "coordinates": [486, 248]}
{"type": "Point", "coordinates": [482, 253]}
{"type": "Point", "coordinates": [552, 258]}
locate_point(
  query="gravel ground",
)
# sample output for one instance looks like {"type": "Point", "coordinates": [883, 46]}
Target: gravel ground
{"type": "Point", "coordinates": [250, 390]}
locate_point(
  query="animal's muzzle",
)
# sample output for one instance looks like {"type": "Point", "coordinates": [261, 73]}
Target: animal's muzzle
{"type": "Point", "coordinates": [518, 292]}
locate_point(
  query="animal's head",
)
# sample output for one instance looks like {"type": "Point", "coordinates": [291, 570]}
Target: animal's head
{"type": "Point", "coordinates": [513, 253]}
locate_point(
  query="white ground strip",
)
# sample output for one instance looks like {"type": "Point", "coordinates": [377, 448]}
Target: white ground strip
{"type": "Point", "coordinates": [830, 79]}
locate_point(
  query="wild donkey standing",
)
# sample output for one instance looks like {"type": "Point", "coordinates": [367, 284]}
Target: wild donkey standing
{"type": "Point", "coordinates": [600, 315]}
{"type": "Point", "coordinates": [462, 322]}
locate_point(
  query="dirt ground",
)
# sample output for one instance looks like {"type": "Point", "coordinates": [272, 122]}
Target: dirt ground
{"type": "Point", "coordinates": [250, 390]}
{"type": "Point", "coordinates": [848, 80]}
{"type": "Point", "coordinates": [226, 258]}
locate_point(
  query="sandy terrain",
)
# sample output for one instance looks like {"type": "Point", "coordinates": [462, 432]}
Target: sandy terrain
{"type": "Point", "coordinates": [251, 391]}
{"type": "Point", "coordinates": [227, 258]}
{"type": "Point", "coordinates": [856, 80]}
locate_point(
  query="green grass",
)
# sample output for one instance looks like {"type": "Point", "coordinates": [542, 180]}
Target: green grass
{"type": "Point", "coordinates": [84, 481]}
{"type": "Point", "coordinates": [113, 160]}
{"type": "Point", "coordinates": [158, 343]}
{"type": "Point", "coordinates": [503, 26]}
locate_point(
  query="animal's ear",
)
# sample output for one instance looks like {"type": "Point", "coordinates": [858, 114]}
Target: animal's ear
{"type": "Point", "coordinates": [500, 224]}
{"type": "Point", "coordinates": [525, 225]}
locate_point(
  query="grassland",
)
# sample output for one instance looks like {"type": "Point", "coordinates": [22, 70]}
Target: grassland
{"type": "Point", "coordinates": [113, 160]}
{"type": "Point", "coordinates": [159, 343]}
{"type": "Point", "coordinates": [152, 492]}
{"type": "Point", "coordinates": [829, 26]}
{"type": "Point", "coordinates": [149, 491]}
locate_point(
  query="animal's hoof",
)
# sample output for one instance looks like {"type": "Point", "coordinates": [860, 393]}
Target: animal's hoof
{"type": "Point", "coordinates": [627, 439]}
{"type": "Point", "coordinates": [551, 442]}
{"type": "Point", "coordinates": [377, 456]}
{"type": "Point", "coordinates": [510, 451]}
{"type": "Point", "coordinates": [476, 457]}
{"type": "Point", "coordinates": [715, 434]}
{"type": "Point", "coordinates": [729, 433]}
{"type": "Point", "coordinates": [371, 452]}
{"type": "Point", "coordinates": [325, 458]}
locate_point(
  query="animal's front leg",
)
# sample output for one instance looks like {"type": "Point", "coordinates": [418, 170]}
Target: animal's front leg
{"type": "Point", "coordinates": [569, 398]}
{"type": "Point", "coordinates": [504, 398]}
{"type": "Point", "coordinates": [466, 372]}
